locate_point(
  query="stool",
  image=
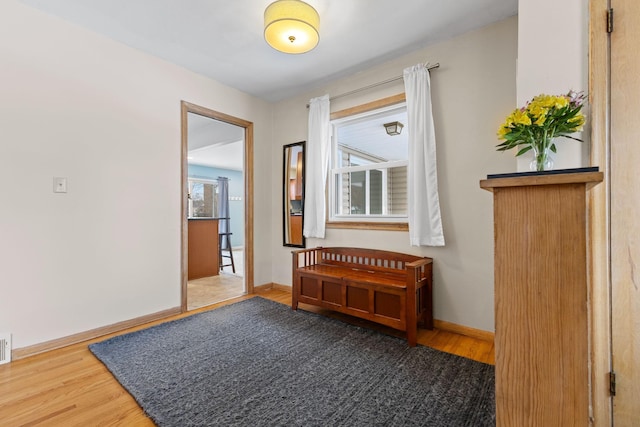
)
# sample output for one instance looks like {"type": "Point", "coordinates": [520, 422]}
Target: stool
{"type": "Point", "coordinates": [224, 244]}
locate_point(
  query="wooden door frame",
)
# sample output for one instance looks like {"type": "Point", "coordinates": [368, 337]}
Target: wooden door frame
{"type": "Point", "coordinates": [599, 214]}
{"type": "Point", "coordinates": [185, 108]}
{"type": "Point", "coordinates": [615, 211]}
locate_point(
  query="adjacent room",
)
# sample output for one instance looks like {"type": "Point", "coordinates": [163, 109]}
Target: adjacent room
{"type": "Point", "coordinates": [215, 191]}
{"type": "Point", "coordinates": [316, 212]}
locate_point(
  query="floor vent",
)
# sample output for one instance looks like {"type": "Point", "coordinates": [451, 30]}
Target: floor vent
{"type": "Point", "coordinates": [5, 348]}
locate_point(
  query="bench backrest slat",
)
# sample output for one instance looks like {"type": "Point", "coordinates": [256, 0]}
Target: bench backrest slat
{"type": "Point", "coordinates": [366, 259]}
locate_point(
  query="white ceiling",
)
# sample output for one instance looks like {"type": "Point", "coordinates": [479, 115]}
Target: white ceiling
{"type": "Point", "coordinates": [223, 39]}
{"type": "Point", "coordinates": [214, 143]}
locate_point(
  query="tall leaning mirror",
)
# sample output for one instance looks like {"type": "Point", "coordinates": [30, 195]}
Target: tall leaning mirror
{"type": "Point", "coordinates": [293, 195]}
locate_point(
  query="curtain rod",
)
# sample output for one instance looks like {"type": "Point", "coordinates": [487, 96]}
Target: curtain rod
{"type": "Point", "coordinates": [384, 82]}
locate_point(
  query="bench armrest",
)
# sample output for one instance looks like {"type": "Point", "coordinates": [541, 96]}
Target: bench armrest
{"type": "Point", "coordinates": [419, 263]}
{"type": "Point", "coordinates": [305, 257]}
{"type": "Point", "coordinates": [419, 273]}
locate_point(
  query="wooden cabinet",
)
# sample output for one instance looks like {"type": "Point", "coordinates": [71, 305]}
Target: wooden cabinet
{"type": "Point", "coordinates": [541, 295]}
{"type": "Point", "coordinates": [202, 246]}
{"type": "Point", "coordinates": [296, 229]}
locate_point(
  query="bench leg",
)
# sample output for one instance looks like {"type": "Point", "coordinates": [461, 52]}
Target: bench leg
{"type": "Point", "coordinates": [294, 293]}
{"type": "Point", "coordinates": [425, 306]}
{"type": "Point", "coordinates": [412, 335]}
{"type": "Point", "coordinates": [428, 315]}
{"type": "Point", "coordinates": [412, 315]}
{"type": "Point", "coordinates": [429, 321]}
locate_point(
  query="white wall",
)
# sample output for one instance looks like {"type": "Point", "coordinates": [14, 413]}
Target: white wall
{"type": "Point", "coordinates": [75, 104]}
{"type": "Point", "coordinates": [106, 117]}
{"type": "Point", "coordinates": [553, 43]}
{"type": "Point", "coordinates": [472, 91]}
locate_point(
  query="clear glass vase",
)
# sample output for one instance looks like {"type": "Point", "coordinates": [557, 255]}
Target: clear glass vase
{"type": "Point", "coordinates": [542, 160]}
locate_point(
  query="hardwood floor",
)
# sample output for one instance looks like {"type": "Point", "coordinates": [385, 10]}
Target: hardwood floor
{"type": "Point", "coordinates": [70, 387]}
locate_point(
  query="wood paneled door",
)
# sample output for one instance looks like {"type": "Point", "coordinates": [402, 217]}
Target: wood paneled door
{"type": "Point", "coordinates": [614, 66]}
{"type": "Point", "coordinates": [625, 211]}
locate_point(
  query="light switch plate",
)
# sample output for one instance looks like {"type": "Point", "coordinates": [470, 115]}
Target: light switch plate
{"type": "Point", "coordinates": [59, 184]}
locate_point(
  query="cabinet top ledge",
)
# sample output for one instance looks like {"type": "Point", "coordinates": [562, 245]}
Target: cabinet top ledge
{"type": "Point", "coordinates": [588, 178]}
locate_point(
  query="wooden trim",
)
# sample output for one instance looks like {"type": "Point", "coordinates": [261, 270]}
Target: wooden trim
{"type": "Point", "coordinates": [598, 206]}
{"type": "Point", "coordinates": [280, 287]}
{"type": "Point", "coordinates": [249, 208]}
{"type": "Point", "coordinates": [463, 330]}
{"type": "Point", "coordinates": [363, 108]}
{"type": "Point", "coordinates": [269, 286]}
{"type": "Point", "coordinates": [21, 353]}
{"type": "Point", "coordinates": [388, 226]}
{"type": "Point", "coordinates": [263, 288]}
{"type": "Point", "coordinates": [187, 107]}
{"type": "Point", "coordinates": [203, 111]}
{"type": "Point", "coordinates": [374, 105]}
{"type": "Point", "coordinates": [184, 220]}
{"type": "Point", "coordinates": [437, 324]}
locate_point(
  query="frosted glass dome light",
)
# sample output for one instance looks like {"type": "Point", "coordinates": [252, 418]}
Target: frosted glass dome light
{"type": "Point", "coordinates": [291, 26]}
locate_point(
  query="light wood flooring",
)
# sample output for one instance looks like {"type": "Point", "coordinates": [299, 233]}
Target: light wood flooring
{"type": "Point", "coordinates": [70, 387]}
{"type": "Point", "coordinates": [210, 290]}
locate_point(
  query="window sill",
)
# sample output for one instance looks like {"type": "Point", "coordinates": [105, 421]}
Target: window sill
{"type": "Point", "coordinates": [357, 225]}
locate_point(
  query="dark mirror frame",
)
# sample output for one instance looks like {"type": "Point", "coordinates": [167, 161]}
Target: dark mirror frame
{"type": "Point", "coordinates": [293, 195]}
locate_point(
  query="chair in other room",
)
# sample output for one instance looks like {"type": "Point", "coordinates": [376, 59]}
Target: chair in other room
{"type": "Point", "coordinates": [224, 241]}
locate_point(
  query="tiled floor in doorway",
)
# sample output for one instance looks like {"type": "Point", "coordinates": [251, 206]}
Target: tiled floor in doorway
{"type": "Point", "coordinates": [210, 290]}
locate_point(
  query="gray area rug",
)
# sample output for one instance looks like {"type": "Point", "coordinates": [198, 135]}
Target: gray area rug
{"type": "Point", "coordinates": [258, 363]}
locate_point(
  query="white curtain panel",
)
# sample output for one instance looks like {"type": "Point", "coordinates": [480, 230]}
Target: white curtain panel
{"type": "Point", "coordinates": [317, 164]}
{"type": "Point", "coordinates": [425, 224]}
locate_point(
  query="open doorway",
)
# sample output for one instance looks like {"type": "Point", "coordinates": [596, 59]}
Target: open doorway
{"type": "Point", "coordinates": [217, 182]}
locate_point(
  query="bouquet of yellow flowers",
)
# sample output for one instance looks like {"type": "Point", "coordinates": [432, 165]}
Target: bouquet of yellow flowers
{"type": "Point", "coordinates": [536, 124]}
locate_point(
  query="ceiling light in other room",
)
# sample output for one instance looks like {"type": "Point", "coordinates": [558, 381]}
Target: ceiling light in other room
{"type": "Point", "coordinates": [393, 128]}
{"type": "Point", "coordinates": [291, 26]}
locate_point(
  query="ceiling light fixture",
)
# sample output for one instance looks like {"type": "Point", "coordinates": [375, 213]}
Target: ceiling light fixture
{"type": "Point", "coordinates": [291, 26]}
{"type": "Point", "coordinates": [393, 128]}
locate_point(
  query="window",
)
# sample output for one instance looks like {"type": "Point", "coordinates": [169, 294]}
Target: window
{"type": "Point", "coordinates": [368, 170]}
{"type": "Point", "coordinates": [203, 198]}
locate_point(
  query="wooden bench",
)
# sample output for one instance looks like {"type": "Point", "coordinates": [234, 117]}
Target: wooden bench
{"type": "Point", "coordinates": [389, 288]}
